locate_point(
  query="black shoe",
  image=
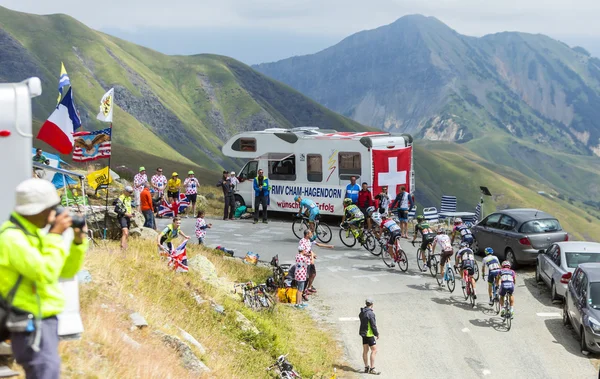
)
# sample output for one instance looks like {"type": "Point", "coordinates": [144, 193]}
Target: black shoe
{"type": "Point", "coordinates": [256, 221]}
{"type": "Point", "coordinates": [367, 369]}
{"type": "Point", "coordinates": [265, 222]}
{"type": "Point", "coordinates": [373, 371]}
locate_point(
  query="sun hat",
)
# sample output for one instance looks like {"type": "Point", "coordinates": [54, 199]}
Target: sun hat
{"type": "Point", "coordinates": [142, 168]}
{"type": "Point", "coordinates": [174, 174]}
{"type": "Point", "coordinates": [33, 196]}
{"type": "Point", "coordinates": [129, 189]}
{"type": "Point", "coordinates": [232, 173]}
{"type": "Point", "coordinates": [190, 172]}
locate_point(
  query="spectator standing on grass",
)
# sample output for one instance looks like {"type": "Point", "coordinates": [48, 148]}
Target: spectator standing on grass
{"type": "Point", "coordinates": [365, 200]}
{"type": "Point", "coordinates": [352, 190]}
{"type": "Point", "coordinates": [261, 195]}
{"type": "Point", "coordinates": [173, 187]}
{"type": "Point", "coordinates": [405, 201]}
{"type": "Point", "coordinates": [306, 244]}
{"type": "Point", "coordinates": [302, 262]}
{"type": "Point", "coordinates": [369, 333]}
{"type": "Point", "coordinates": [191, 185]}
{"type": "Point", "coordinates": [124, 214]}
{"type": "Point", "coordinates": [32, 262]}
{"type": "Point", "coordinates": [147, 207]}
{"type": "Point", "coordinates": [138, 185]}
{"type": "Point", "coordinates": [384, 200]}
{"type": "Point", "coordinates": [201, 227]}
{"type": "Point", "coordinates": [159, 182]}
{"type": "Point", "coordinates": [228, 196]}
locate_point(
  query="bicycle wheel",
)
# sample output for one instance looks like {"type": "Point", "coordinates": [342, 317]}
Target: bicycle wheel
{"type": "Point", "coordinates": [419, 260]}
{"type": "Point", "coordinates": [347, 237]}
{"type": "Point", "coordinates": [386, 257]}
{"type": "Point", "coordinates": [370, 243]}
{"type": "Point", "coordinates": [465, 293]}
{"type": "Point", "coordinates": [298, 227]}
{"type": "Point", "coordinates": [451, 282]}
{"type": "Point", "coordinates": [497, 304]}
{"type": "Point", "coordinates": [433, 266]}
{"type": "Point", "coordinates": [402, 260]}
{"type": "Point", "coordinates": [476, 274]}
{"type": "Point", "coordinates": [323, 232]}
{"type": "Point", "coordinates": [248, 301]}
{"type": "Point", "coordinates": [472, 297]}
{"type": "Point", "coordinates": [440, 279]}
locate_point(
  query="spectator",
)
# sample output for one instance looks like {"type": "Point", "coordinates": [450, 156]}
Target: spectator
{"type": "Point", "coordinates": [306, 245]}
{"type": "Point", "coordinates": [147, 207]}
{"type": "Point", "coordinates": [302, 262]}
{"type": "Point", "coordinates": [138, 185]}
{"type": "Point", "coordinates": [40, 158]}
{"type": "Point", "coordinates": [201, 227]}
{"type": "Point", "coordinates": [384, 200]}
{"type": "Point", "coordinates": [405, 201]}
{"type": "Point", "coordinates": [228, 196]}
{"type": "Point", "coordinates": [365, 200]}
{"type": "Point", "coordinates": [261, 195]}
{"type": "Point", "coordinates": [124, 214]}
{"type": "Point", "coordinates": [159, 181]}
{"type": "Point", "coordinates": [234, 179]}
{"type": "Point", "coordinates": [168, 234]}
{"type": "Point", "coordinates": [32, 263]}
{"type": "Point", "coordinates": [352, 190]}
{"type": "Point", "coordinates": [173, 187]}
{"type": "Point", "coordinates": [369, 333]}
{"type": "Point", "coordinates": [191, 185]}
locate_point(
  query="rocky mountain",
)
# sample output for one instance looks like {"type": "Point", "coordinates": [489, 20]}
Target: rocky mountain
{"type": "Point", "coordinates": [169, 108]}
{"type": "Point", "coordinates": [417, 75]}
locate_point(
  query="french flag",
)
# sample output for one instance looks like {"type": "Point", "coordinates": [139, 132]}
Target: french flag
{"type": "Point", "coordinates": [58, 130]}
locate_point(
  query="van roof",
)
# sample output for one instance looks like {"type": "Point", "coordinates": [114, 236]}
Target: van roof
{"type": "Point", "coordinates": [309, 132]}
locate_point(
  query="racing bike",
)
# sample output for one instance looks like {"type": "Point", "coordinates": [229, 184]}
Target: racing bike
{"type": "Point", "coordinates": [284, 367]}
{"type": "Point", "coordinates": [255, 297]}
{"type": "Point", "coordinates": [495, 297]}
{"type": "Point", "coordinates": [322, 230]}
{"type": "Point", "coordinates": [468, 291]}
{"type": "Point", "coordinates": [506, 308]}
{"type": "Point", "coordinates": [431, 260]}
{"type": "Point", "coordinates": [398, 256]}
{"type": "Point", "coordinates": [448, 277]}
{"type": "Point", "coordinates": [350, 234]}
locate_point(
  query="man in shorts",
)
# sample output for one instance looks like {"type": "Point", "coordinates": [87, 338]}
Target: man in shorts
{"type": "Point", "coordinates": [169, 233]}
{"type": "Point", "coordinates": [466, 261]}
{"type": "Point", "coordinates": [138, 186]}
{"type": "Point", "coordinates": [369, 333]}
{"type": "Point", "coordinates": [191, 185]}
{"type": "Point", "coordinates": [305, 245]}
{"type": "Point", "coordinates": [427, 237]}
{"type": "Point", "coordinates": [124, 214]}
{"type": "Point", "coordinates": [404, 201]}
{"type": "Point", "coordinates": [506, 281]}
{"type": "Point", "coordinates": [173, 186]}
{"type": "Point", "coordinates": [493, 265]}
{"type": "Point", "coordinates": [443, 241]}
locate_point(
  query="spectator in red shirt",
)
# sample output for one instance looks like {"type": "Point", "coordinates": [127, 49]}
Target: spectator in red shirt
{"type": "Point", "coordinates": [365, 200]}
{"type": "Point", "coordinates": [147, 207]}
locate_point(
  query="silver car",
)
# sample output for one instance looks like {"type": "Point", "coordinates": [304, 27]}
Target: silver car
{"type": "Point", "coordinates": [518, 235]}
{"type": "Point", "coordinates": [556, 264]}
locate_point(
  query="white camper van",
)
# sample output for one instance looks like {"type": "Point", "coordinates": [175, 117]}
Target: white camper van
{"type": "Point", "coordinates": [318, 164]}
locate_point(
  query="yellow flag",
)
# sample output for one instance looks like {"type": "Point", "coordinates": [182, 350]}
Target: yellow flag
{"type": "Point", "coordinates": [63, 81]}
{"type": "Point", "coordinates": [99, 177]}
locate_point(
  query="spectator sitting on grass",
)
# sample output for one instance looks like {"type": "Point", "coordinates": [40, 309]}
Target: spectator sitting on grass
{"type": "Point", "coordinates": [169, 233]}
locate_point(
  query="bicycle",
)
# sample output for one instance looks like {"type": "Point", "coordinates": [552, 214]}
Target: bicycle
{"type": "Point", "coordinates": [495, 297]}
{"type": "Point", "coordinates": [255, 297]}
{"type": "Point", "coordinates": [349, 234]}
{"type": "Point", "coordinates": [322, 230]}
{"type": "Point", "coordinates": [279, 271]}
{"type": "Point", "coordinates": [285, 368]}
{"type": "Point", "coordinates": [398, 254]}
{"type": "Point", "coordinates": [468, 291]}
{"type": "Point", "coordinates": [448, 277]}
{"type": "Point", "coordinates": [431, 260]}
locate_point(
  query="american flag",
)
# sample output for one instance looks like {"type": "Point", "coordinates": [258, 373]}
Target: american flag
{"type": "Point", "coordinates": [178, 258]}
{"type": "Point", "coordinates": [90, 146]}
{"type": "Point", "coordinates": [172, 210]}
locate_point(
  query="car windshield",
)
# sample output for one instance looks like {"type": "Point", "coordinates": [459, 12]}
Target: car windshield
{"type": "Point", "coordinates": [595, 295]}
{"type": "Point", "coordinates": [575, 259]}
{"type": "Point", "coordinates": [541, 226]}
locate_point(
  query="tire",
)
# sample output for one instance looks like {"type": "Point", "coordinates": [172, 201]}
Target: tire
{"type": "Point", "coordinates": [298, 227]}
{"type": "Point", "coordinates": [583, 342]}
{"type": "Point", "coordinates": [476, 273]}
{"type": "Point", "coordinates": [472, 299]}
{"type": "Point", "coordinates": [433, 266]}
{"type": "Point", "coordinates": [464, 289]}
{"type": "Point", "coordinates": [347, 237]}
{"type": "Point", "coordinates": [439, 279]}
{"type": "Point", "coordinates": [508, 319]}
{"type": "Point", "coordinates": [538, 276]}
{"type": "Point", "coordinates": [565, 316]}
{"type": "Point", "coordinates": [419, 260]}
{"type": "Point", "coordinates": [475, 247]}
{"type": "Point", "coordinates": [386, 257]}
{"type": "Point", "coordinates": [553, 295]}
{"type": "Point", "coordinates": [510, 256]}
{"type": "Point", "coordinates": [239, 201]}
{"type": "Point", "coordinates": [451, 283]}
{"type": "Point", "coordinates": [402, 261]}
{"type": "Point", "coordinates": [324, 233]}
{"type": "Point", "coordinates": [370, 244]}
{"type": "Point", "coordinates": [497, 305]}
{"type": "Point", "coordinates": [248, 301]}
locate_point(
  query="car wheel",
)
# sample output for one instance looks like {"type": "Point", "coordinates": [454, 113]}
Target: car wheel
{"type": "Point", "coordinates": [583, 343]}
{"type": "Point", "coordinates": [239, 201]}
{"type": "Point", "coordinates": [475, 248]}
{"type": "Point", "coordinates": [538, 276]}
{"type": "Point", "coordinates": [510, 256]}
{"type": "Point", "coordinates": [553, 295]}
{"type": "Point", "coordinates": [565, 315]}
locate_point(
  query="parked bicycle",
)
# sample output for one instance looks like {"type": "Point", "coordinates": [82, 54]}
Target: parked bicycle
{"type": "Point", "coordinates": [322, 230]}
{"type": "Point", "coordinates": [255, 297]}
{"type": "Point", "coordinates": [431, 259]}
{"type": "Point", "coordinates": [398, 256]}
{"type": "Point", "coordinates": [448, 278]}
{"type": "Point", "coordinates": [284, 368]}
{"type": "Point", "coordinates": [279, 271]}
{"type": "Point", "coordinates": [349, 235]}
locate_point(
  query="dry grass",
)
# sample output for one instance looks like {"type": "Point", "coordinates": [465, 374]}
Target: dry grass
{"type": "Point", "coordinates": [140, 282]}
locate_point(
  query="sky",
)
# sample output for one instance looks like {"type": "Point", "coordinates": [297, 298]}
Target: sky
{"type": "Point", "coordinates": [256, 31]}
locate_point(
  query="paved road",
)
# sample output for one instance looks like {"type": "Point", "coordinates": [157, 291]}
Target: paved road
{"type": "Point", "coordinates": [426, 332]}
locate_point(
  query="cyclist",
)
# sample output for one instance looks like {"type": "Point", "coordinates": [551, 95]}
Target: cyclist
{"type": "Point", "coordinates": [353, 217]}
{"type": "Point", "coordinates": [377, 219]}
{"type": "Point", "coordinates": [506, 281]}
{"type": "Point", "coordinates": [462, 230]}
{"type": "Point", "coordinates": [386, 225]}
{"type": "Point", "coordinates": [311, 210]}
{"type": "Point", "coordinates": [169, 234]}
{"type": "Point", "coordinates": [427, 236]}
{"type": "Point", "coordinates": [466, 259]}
{"type": "Point", "coordinates": [443, 240]}
{"type": "Point", "coordinates": [493, 264]}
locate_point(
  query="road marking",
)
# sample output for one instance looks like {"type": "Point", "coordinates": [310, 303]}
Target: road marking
{"type": "Point", "coordinates": [486, 372]}
{"type": "Point", "coordinates": [238, 235]}
{"type": "Point", "coordinates": [551, 314]}
{"type": "Point", "coordinates": [371, 277]}
{"type": "Point", "coordinates": [348, 319]}
{"type": "Point", "coordinates": [332, 256]}
{"type": "Point", "coordinates": [465, 330]}
{"type": "Point", "coordinates": [336, 268]}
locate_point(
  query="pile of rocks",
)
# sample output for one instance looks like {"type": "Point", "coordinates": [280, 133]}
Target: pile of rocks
{"type": "Point", "coordinates": [95, 216]}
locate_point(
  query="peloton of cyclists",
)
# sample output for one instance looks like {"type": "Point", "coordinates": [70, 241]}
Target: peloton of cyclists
{"type": "Point", "coordinates": [493, 265]}
{"type": "Point", "coordinates": [427, 235]}
{"type": "Point", "coordinates": [465, 259]}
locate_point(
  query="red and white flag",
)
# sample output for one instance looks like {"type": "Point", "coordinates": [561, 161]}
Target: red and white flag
{"type": "Point", "coordinates": [391, 168]}
{"type": "Point", "coordinates": [58, 130]}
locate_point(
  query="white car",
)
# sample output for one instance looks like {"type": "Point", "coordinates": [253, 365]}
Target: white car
{"type": "Point", "coordinates": [556, 265]}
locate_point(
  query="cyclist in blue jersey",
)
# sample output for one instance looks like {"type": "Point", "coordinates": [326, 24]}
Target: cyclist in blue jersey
{"type": "Point", "coordinates": [506, 281]}
{"type": "Point", "coordinates": [311, 210]}
{"type": "Point", "coordinates": [463, 231]}
{"type": "Point", "coordinates": [493, 265]}
{"type": "Point", "coordinates": [466, 262]}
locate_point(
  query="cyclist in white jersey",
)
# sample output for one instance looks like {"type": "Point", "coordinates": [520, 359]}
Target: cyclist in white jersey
{"type": "Point", "coordinates": [443, 240]}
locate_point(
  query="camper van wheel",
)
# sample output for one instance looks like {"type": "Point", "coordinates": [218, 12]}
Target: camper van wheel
{"type": "Point", "coordinates": [239, 201]}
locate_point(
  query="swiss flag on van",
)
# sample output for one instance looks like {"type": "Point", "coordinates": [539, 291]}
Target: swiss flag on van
{"type": "Point", "coordinates": [391, 168]}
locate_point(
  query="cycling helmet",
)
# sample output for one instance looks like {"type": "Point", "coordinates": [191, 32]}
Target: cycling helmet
{"type": "Point", "coordinates": [458, 221]}
{"type": "Point", "coordinates": [296, 198]}
{"type": "Point", "coordinates": [489, 250]}
{"type": "Point", "coordinates": [420, 218]}
{"type": "Point", "coordinates": [347, 201]}
{"type": "Point", "coordinates": [506, 264]}
{"type": "Point", "coordinates": [464, 244]}
{"type": "Point", "coordinates": [441, 231]}
{"type": "Point", "coordinates": [370, 210]}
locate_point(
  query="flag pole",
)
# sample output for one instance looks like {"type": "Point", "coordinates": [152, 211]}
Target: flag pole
{"type": "Point", "coordinates": [107, 185]}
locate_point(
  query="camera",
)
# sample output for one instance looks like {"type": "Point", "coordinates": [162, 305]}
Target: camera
{"type": "Point", "coordinates": [78, 220]}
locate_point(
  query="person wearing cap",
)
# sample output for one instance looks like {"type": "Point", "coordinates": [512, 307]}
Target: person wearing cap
{"type": "Point", "coordinates": [173, 186]}
{"type": "Point", "coordinates": [138, 186]}
{"type": "Point", "coordinates": [369, 333]}
{"type": "Point", "coordinates": [191, 185]}
{"type": "Point", "coordinates": [228, 196]}
{"type": "Point", "coordinates": [31, 262]}
{"type": "Point", "coordinates": [124, 214]}
{"type": "Point", "coordinates": [261, 195]}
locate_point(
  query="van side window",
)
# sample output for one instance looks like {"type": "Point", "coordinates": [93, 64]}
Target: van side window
{"type": "Point", "coordinates": [284, 169]}
{"type": "Point", "coordinates": [244, 144]}
{"type": "Point", "coordinates": [314, 167]}
{"type": "Point", "coordinates": [249, 171]}
{"type": "Point", "coordinates": [349, 165]}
